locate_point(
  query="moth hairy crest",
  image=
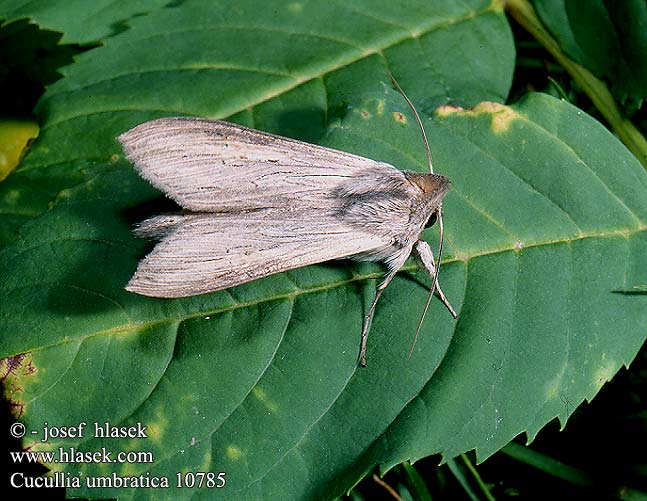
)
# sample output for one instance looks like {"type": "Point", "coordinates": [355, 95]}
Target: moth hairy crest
{"type": "Point", "coordinates": [258, 204]}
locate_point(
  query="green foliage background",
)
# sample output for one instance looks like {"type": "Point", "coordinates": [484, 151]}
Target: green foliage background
{"type": "Point", "coordinates": [545, 240]}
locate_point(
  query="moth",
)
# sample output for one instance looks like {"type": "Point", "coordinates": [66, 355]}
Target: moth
{"type": "Point", "coordinates": [256, 204]}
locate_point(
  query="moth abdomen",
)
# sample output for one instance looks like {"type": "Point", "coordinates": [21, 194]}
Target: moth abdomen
{"type": "Point", "coordinates": [158, 226]}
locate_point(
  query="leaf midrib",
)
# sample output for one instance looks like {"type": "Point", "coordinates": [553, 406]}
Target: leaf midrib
{"type": "Point", "coordinates": [464, 258]}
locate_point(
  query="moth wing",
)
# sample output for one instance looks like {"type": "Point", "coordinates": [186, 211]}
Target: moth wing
{"type": "Point", "coordinates": [210, 165]}
{"type": "Point", "coordinates": [205, 253]}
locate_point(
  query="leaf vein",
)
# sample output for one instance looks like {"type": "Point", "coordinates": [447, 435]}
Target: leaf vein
{"type": "Point", "coordinates": [316, 289]}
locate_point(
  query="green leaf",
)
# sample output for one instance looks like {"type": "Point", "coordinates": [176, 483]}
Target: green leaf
{"type": "Point", "coordinates": [262, 381]}
{"type": "Point", "coordinates": [79, 20]}
{"type": "Point", "coordinates": [606, 37]}
{"type": "Point", "coordinates": [544, 224]}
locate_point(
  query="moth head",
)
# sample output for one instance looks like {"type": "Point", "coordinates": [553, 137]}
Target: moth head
{"type": "Point", "coordinates": [433, 187]}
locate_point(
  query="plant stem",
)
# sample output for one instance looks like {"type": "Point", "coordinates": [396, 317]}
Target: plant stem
{"type": "Point", "coordinates": [477, 477]}
{"type": "Point", "coordinates": [388, 488]}
{"type": "Point", "coordinates": [416, 483]}
{"type": "Point", "coordinates": [524, 13]}
{"type": "Point", "coordinates": [462, 480]}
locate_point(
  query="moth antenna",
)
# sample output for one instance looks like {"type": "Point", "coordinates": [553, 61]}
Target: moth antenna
{"type": "Point", "coordinates": [435, 283]}
{"type": "Point", "coordinates": [440, 214]}
{"type": "Point", "coordinates": [415, 114]}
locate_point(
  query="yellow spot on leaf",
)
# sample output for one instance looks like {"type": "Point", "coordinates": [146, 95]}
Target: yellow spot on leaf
{"type": "Point", "coordinates": [295, 7]}
{"type": "Point", "coordinates": [553, 387]}
{"type": "Point", "coordinates": [604, 373]}
{"type": "Point", "coordinates": [233, 453]}
{"type": "Point", "coordinates": [501, 116]}
{"type": "Point", "coordinates": [155, 431]}
{"type": "Point", "coordinates": [12, 197]}
{"type": "Point", "coordinates": [448, 110]}
{"type": "Point", "coordinates": [399, 117]}
{"type": "Point", "coordinates": [129, 469]}
{"type": "Point", "coordinates": [380, 107]}
{"type": "Point", "coordinates": [15, 135]}
{"type": "Point", "coordinates": [262, 397]}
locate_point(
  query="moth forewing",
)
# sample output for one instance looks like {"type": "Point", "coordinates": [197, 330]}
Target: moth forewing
{"type": "Point", "coordinates": [211, 165]}
{"type": "Point", "coordinates": [256, 204]}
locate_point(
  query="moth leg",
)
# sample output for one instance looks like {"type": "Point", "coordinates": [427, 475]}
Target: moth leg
{"type": "Point", "coordinates": [369, 316]}
{"type": "Point", "coordinates": [422, 252]}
